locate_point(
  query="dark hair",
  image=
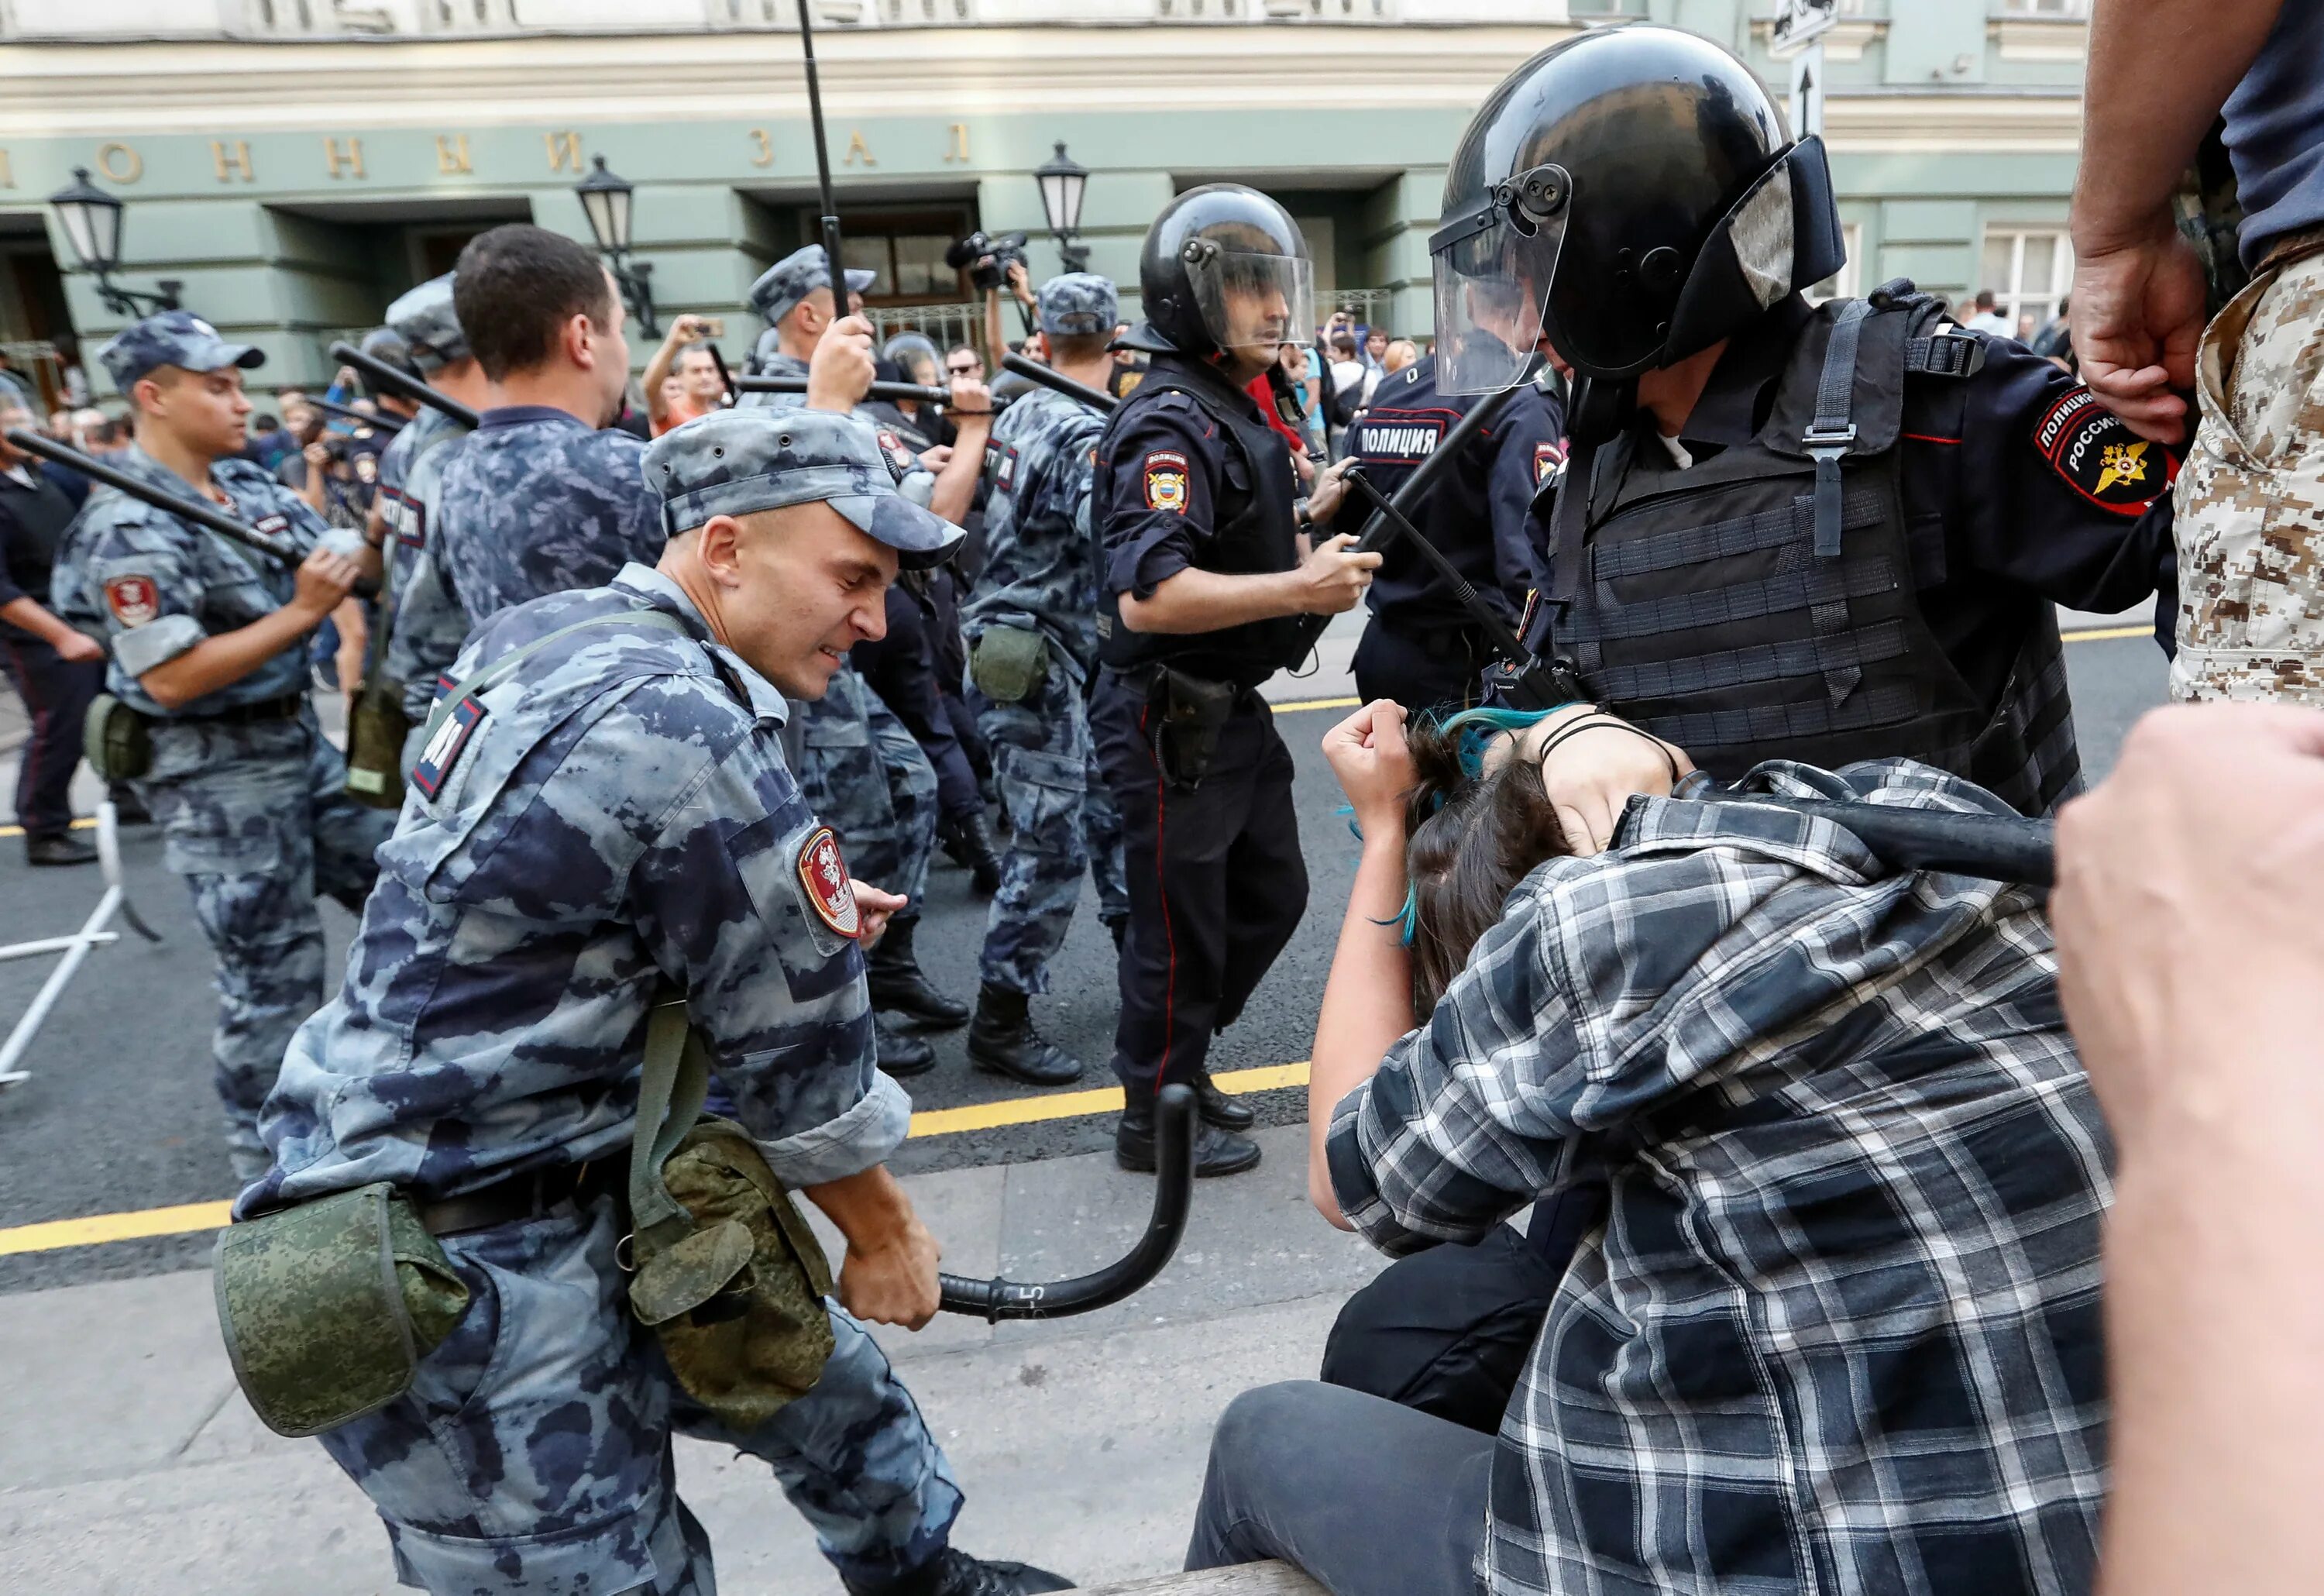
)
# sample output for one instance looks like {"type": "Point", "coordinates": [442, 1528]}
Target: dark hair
{"type": "Point", "coordinates": [265, 423]}
{"type": "Point", "coordinates": [699, 346]}
{"type": "Point", "coordinates": [1344, 342]}
{"type": "Point", "coordinates": [1471, 840]}
{"type": "Point", "coordinates": [1078, 346]}
{"type": "Point", "coordinates": [516, 286]}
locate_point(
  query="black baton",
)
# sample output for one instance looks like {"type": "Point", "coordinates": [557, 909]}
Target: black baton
{"type": "Point", "coordinates": [380, 374]}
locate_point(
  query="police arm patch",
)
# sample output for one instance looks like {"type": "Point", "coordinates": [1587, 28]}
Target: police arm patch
{"type": "Point", "coordinates": [434, 766]}
{"type": "Point", "coordinates": [1166, 481]}
{"type": "Point", "coordinates": [134, 600]}
{"type": "Point", "coordinates": [1546, 459]}
{"type": "Point", "coordinates": [824, 873]}
{"type": "Point", "coordinates": [2098, 456]}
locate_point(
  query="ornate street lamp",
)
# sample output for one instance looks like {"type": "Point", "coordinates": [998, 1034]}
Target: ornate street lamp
{"type": "Point", "coordinates": [91, 219]}
{"type": "Point", "coordinates": [605, 201]}
{"type": "Point", "coordinates": [1063, 181]}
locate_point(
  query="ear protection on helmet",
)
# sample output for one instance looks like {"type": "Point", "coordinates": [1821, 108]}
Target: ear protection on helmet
{"type": "Point", "coordinates": [1783, 234]}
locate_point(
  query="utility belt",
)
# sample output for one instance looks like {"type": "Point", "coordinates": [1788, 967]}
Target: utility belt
{"type": "Point", "coordinates": [118, 741]}
{"type": "Point", "coordinates": [520, 1197]}
{"type": "Point", "coordinates": [1186, 714]}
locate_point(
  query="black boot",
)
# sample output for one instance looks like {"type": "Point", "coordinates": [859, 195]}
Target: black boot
{"type": "Point", "coordinates": [1228, 1113]}
{"type": "Point", "coordinates": [1001, 1038]}
{"type": "Point", "coordinates": [899, 985]}
{"type": "Point", "coordinates": [1216, 1152]}
{"type": "Point", "coordinates": [953, 1573]}
{"type": "Point", "coordinates": [64, 848]}
{"type": "Point", "coordinates": [976, 846]}
{"type": "Point", "coordinates": [900, 1053]}
{"type": "Point", "coordinates": [1118, 928]}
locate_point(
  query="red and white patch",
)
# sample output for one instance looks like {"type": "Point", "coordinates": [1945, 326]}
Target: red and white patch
{"type": "Point", "coordinates": [1548, 459]}
{"type": "Point", "coordinates": [1005, 477]}
{"type": "Point", "coordinates": [900, 460]}
{"type": "Point", "coordinates": [824, 873]}
{"type": "Point", "coordinates": [134, 600]}
{"type": "Point", "coordinates": [2098, 456]}
{"type": "Point", "coordinates": [1166, 481]}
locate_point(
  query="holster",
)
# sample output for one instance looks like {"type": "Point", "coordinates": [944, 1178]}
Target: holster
{"type": "Point", "coordinates": [116, 740]}
{"type": "Point", "coordinates": [328, 1307]}
{"type": "Point", "coordinates": [377, 727]}
{"type": "Point", "coordinates": [727, 1275]}
{"type": "Point", "coordinates": [1190, 712]}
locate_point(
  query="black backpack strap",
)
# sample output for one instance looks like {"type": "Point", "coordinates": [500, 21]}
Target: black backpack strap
{"type": "Point", "coordinates": [1832, 430]}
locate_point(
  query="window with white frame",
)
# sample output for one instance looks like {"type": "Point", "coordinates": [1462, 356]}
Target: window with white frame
{"type": "Point", "coordinates": [1842, 284]}
{"type": "Point", "coordinates": [2071, 8]}
{"type": "Point", "coordinates": [2029, 270]}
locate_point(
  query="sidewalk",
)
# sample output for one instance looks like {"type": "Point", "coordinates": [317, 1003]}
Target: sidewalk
{"type": "Point", "coordinates": [130, 1463]}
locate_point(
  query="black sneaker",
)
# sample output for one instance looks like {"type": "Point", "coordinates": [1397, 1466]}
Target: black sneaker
{"type": "Point", "coordinates": [955, 1573]}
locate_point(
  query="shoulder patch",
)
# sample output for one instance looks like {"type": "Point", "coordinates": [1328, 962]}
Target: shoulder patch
{"type": "Point", "coordinates": [1548, 459]}
{"type": "Point", "coordinates": [2101, 458]}
{"type": "Point", "coordinates": [271, 525]}
{"type": "Point", "coordinates": [134, 600]}
{"type": "Point", "coordinates": [1166, 481]}
{"type": "Point", "coordinates": [444, 749]}
{"type": "Point", "coordinates": [1131, 376]}
{"type": "Point", "coordinates": [901, 461]}
{"type": "Point", "coordinates": [824, 874]}
{"type": "Point", "coordinates": [406, 517]}
{"type": "Point", "coordinates": [1005, 476]}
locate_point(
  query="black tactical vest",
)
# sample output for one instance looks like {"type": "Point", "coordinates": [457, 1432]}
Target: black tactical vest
{"type": "Point", "coordinates": [1762, 604]}
{"type": "Point", "coordinates": [1254, 535]}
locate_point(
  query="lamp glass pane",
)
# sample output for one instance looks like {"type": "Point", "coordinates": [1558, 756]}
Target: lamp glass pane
{"type": "Point", "coordinates": [78, 231]}
{"type": "Point", "coordinates": [1053, 201]}
{"type": "Point", "coordinates": [618, 222]}
{"type": "Point", "coordinates": [1073, 183]}
{"type": "Point", "coordinates": [597, 206]}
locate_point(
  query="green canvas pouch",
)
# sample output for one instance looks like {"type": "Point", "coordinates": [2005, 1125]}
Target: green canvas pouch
{"type": "Point", "coordinates": [1007, 662]}
{"type": "Point", "coordinates": [727, 1275]}
{"type": "Point", "coordinates": [376, 728]}
{"type": "Point", "coordinates": [116, 740]}
{"type": "Point", "coordinates": [328, 1307]}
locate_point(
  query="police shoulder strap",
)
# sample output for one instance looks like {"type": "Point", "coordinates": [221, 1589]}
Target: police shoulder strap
{"type": "Point", "coordinates": [500, 670]}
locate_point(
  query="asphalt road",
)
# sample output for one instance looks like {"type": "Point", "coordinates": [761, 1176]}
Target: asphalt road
{"type": "Point", "coordinates": [119, 1113]}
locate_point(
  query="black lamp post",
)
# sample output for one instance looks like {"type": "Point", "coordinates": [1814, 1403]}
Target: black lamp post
{"type": "Point", "coordinates": [605, 201]}
{"type": "Point", "coordinates": [1063, 181]}
{"type": "Point", "coordinates": [92, 223]}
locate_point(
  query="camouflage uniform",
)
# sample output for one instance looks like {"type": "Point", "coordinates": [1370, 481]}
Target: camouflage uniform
{"type": "Point", "coordinates": [2250, 497]}
{"type": "Point", "coordinates": [615, 814]}
{"type": "Point", "coordinates": [247, 789]}
{"type": "Point", "coordinates": [1041, 574]}
{"type": "Point", "coordinates": [426, 626]}
{"type": "Point", "coordinates": [536, 503]}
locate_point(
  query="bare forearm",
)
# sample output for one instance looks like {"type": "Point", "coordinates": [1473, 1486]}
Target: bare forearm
{"type": "Point", "coordinates": [955, 488]}
{"type": "Point", "coordinates": [28, 613]}
{"type": "Point", "coordinates": [869, 1207]}
{"type": "Point", "coordinates": [2159, 72]}
{"type": "Point", "coordinates": [224, 659]}
{"type": "Point", "coordinates": [1366, 999]}
{"type": "Point", "coordinates": [1195, 600]}
{"type": "Point", "coordinates": [658, 373]}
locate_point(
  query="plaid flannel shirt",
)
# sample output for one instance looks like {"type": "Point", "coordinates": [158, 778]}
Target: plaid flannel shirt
{"type": "Point", "coordinates": [1841, 1330]}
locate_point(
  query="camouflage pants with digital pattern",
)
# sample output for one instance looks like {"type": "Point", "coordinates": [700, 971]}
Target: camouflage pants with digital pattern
{"type": "Point", "coordinates": [2250, 498]}
{"type": "Point", "coordinates": [864, 777]}
{"type": "Point", "coordinates": [532, 1452]}
{"type": "Point", "coordinates": [257, 828]}
{"type": "Point", "coordinates": [1062, 821]}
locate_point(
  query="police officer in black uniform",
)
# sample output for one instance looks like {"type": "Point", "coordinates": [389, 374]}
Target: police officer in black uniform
{"type": "Point", "coordinates": [1202, 575]}
{"type": "Point", "coordinates": [1422, 648]}
{"type": "Point", "coordinates": [1825, 533]}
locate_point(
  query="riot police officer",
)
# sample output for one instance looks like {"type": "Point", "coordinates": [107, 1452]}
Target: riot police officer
{"type": "Point", "coordinates": [424, 624]}
{"type": "Point", "coordinates": [1824, 533]}
{"type": "Point", "coordinates": [208, 650]}
{"type": "Point", "coordinates": [1422, 648]}
{"type": "Point", "coordinates": [1192, 500]}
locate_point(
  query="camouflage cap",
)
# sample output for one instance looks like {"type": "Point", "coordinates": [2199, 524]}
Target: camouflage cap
{"type": "Point", "coordinates": [171, 337]}
{"type": "Point", "coordinates": [734, 462]}
{"type": "Point", "coordinates": [1077, 302]}
{"type": "Point", "coordinates": [424, 319]}
{"type": "Point", "coordinates": [781, 286]}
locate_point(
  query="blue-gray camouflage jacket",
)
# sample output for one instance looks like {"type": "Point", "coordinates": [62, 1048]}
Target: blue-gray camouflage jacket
{"type": "Point", "coordinates": [537, 502]}
{"type": "Point", "coordinates": [614, 818]}
{"type": "Point", "coordinates": [157, 587]}
{"type": "Point", "coordinates": [429, 625]}
{"type": "Point", "coordinates": [1041, 563]}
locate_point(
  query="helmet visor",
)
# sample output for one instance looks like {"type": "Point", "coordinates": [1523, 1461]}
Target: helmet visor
{"type": "Point", "coordinates": [1251, 301]}
{"type": "Point", "coordinates": [1493, 274]}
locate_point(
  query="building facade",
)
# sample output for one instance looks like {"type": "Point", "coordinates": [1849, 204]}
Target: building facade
{"type": "Point", "coordinates": [294, 164]}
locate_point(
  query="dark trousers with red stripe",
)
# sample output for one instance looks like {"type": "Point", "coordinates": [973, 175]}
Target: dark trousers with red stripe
{"type": "Point", "coordinates": [1217, 882]}
{"type": "Point", "coordinates": [55, 692]}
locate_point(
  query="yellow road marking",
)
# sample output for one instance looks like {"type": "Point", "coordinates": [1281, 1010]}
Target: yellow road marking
{"type": "Point", "coordinates": [1296, 705]}
{"type": "Point", "coordinates": [189, 1217]}
{"type": "Point", "coordinates": [2099, 634]}
{"type": "Point", "coordinates": [87, 825]}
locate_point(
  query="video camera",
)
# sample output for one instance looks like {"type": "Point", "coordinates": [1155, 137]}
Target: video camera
{"type": "Point", "coordinates": [986, 259]}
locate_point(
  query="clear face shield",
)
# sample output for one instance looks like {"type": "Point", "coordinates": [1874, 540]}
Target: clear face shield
{"type": "Point", "coordinates": [1250, 303]}
{"type": "Point", "coordinates": [1494, 268]}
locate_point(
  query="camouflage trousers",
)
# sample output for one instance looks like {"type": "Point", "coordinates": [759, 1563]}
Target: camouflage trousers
{"type": "Point", "coordinates": [256, 820]}
{"type": "Point", "coordinates": [532, 1452]}
{"type": "Point", "coordinates": [863, 776]}
{"type": "Point", "coordinates": [2250, 498]}
{"type": "Point", "coordinates": [1062, 821]}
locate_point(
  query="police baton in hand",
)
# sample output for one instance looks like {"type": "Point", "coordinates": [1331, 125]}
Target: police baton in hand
{"type": "Point", "coordinates": [1096, 399]}
{"type": "Point", "coordinates": [381, 375]}
{"type": "Point", "coordinates": [919, 392]}
{"type": "Point", "coordinates": [1174, 1188]}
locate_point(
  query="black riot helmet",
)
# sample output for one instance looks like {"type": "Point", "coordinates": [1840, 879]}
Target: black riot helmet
{"type": "Point", "coordinates": [1631, 194]}
{"type": "Point", "coordinates": [1224, 268]}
